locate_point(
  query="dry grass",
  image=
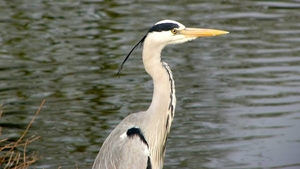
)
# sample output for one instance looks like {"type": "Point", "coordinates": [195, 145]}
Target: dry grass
{"type": "Point", "coordinates": [14, 155]}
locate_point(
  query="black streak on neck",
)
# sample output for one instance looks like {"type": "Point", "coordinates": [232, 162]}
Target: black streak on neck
{"type": "Point", "coordinates": [149, 166]}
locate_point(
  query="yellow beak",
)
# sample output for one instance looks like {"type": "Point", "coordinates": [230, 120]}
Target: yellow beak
{"type": "Point", "coordinates": [199, 32]}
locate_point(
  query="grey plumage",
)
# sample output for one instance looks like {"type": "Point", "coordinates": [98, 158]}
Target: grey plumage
{"type": "Point", "coordinates": [115, 152]}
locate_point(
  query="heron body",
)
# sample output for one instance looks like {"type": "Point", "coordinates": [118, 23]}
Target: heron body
{"type": "Point", "coordinates": [139, 140]}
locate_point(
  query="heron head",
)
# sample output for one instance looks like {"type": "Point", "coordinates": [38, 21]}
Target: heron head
{"type": "Point", "coordinates": [172, 32]}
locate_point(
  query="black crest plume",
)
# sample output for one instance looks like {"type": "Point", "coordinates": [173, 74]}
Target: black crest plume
{"type": "Point", "coordinates": [140, 42]}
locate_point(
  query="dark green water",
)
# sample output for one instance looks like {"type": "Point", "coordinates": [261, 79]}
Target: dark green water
{"type": "Point", "coordinates": [238, 95]}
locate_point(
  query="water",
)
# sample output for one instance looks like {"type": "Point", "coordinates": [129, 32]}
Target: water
{"type": "Point", "coordinates": [238, 95]}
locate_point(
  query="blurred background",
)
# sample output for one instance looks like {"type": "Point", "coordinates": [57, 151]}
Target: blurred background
{"type": "Point", "coordinates": [238, 95]}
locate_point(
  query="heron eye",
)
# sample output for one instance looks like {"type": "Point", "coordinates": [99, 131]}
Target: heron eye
{"type": "Point", "coordinates": [174, 31]}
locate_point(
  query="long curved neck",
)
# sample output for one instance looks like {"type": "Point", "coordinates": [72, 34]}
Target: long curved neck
{"type": "Point", "coordinates": [162, 108]}
{"type": "Point", "coordinates": [163, 100]}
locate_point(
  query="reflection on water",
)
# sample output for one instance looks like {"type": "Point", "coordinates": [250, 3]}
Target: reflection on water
{"type": "Point", "coordinates": [238, 95]}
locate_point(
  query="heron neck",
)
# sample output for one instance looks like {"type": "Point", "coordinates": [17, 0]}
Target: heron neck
{"type": "Point", "coordinates": [164, 100]}
{"type": "Point", "coordinates": [162, 108]}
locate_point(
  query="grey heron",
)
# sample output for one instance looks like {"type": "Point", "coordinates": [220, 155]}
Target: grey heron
{"type": "Point", "coordinates": [139, 140]}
